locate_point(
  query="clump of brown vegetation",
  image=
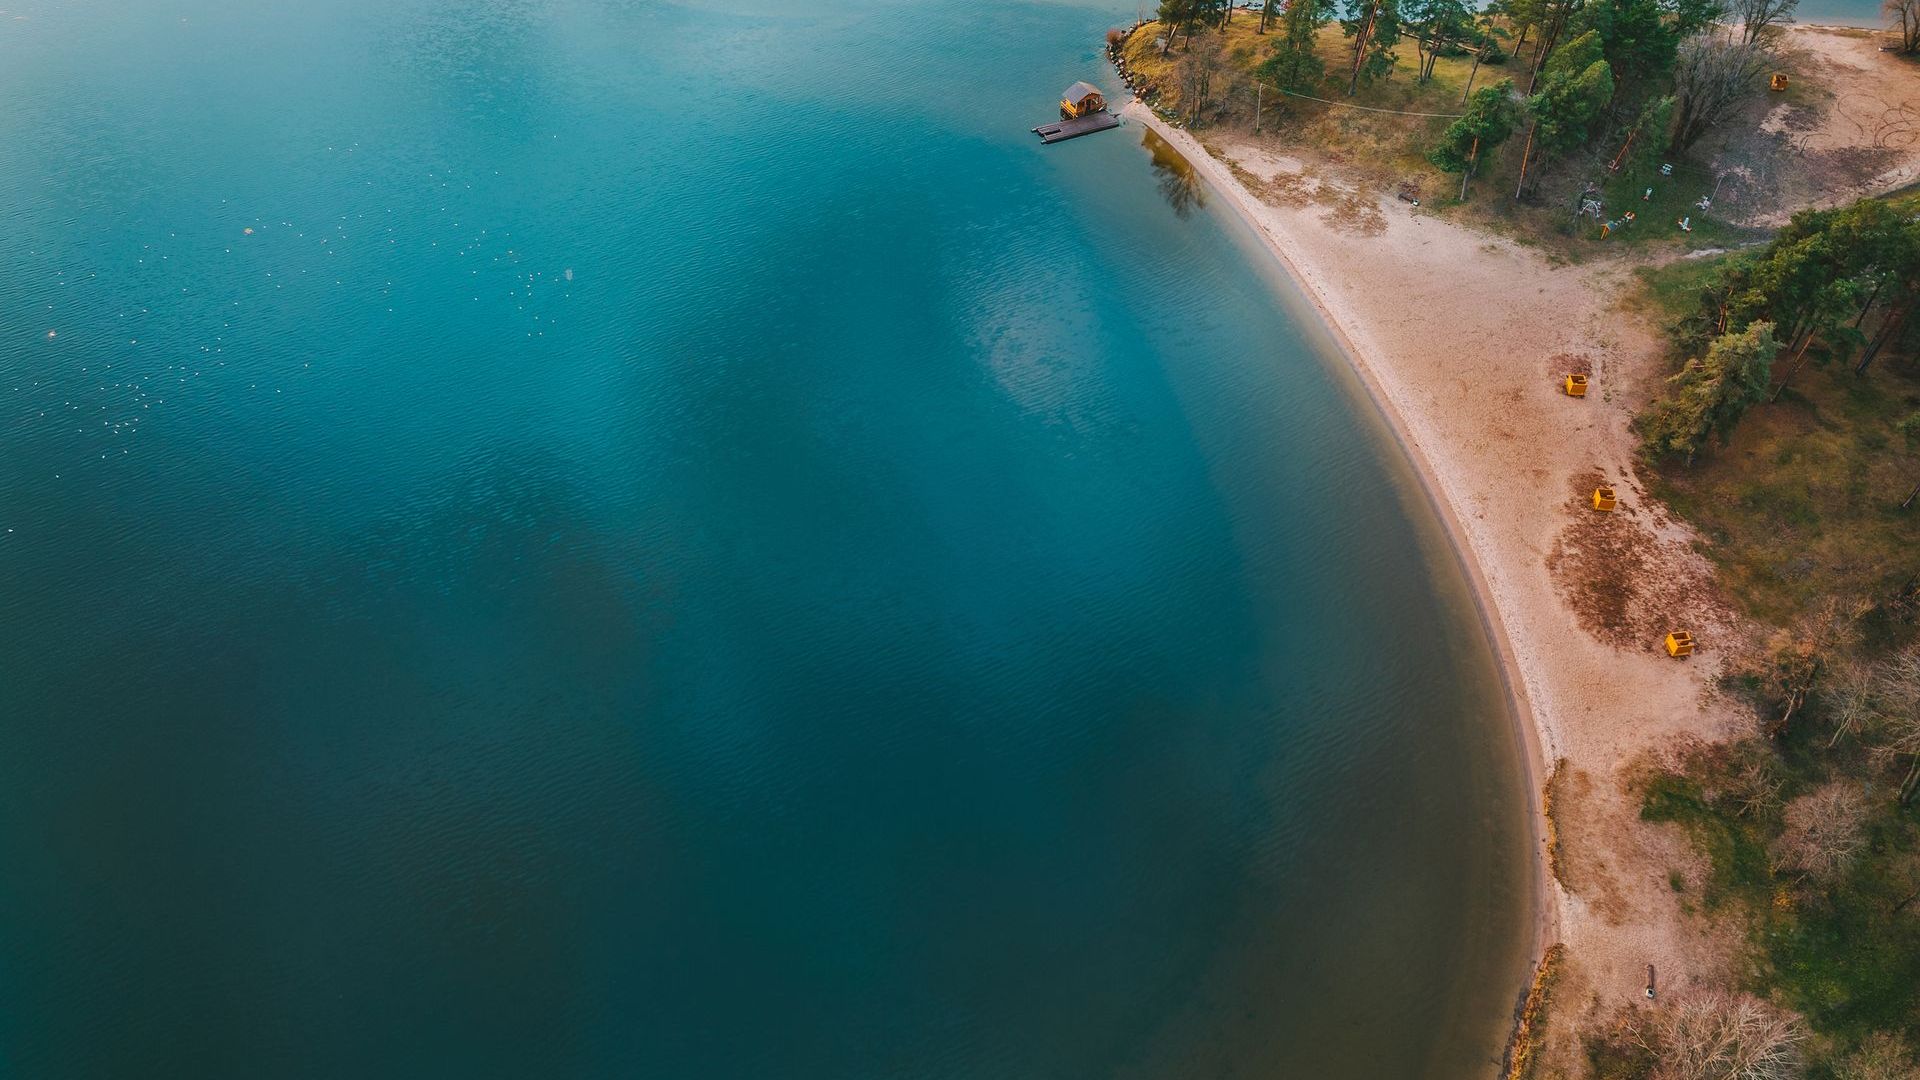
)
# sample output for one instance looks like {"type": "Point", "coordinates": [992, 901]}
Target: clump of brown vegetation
{"type": "Point", "coordinates": [1813, 846]}
{"type": "Point", "coordinates": [1349, 208]}
{"type": "Point", "coordinates": [1547, 804]}
{"type": "Point", "coordinates": [1563, 364]}
{"type": "Point", "coordinates": [1628, 584]}
{"type": "Point", "coordinates": [1524, 1046]}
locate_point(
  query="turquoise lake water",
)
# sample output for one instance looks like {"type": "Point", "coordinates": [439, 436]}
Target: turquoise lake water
{"type": "Point", "coordinates": [685, 544]}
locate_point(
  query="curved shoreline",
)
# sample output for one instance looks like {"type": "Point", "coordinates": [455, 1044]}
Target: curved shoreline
{"type": "Point", "coordinates": [1513, 674]}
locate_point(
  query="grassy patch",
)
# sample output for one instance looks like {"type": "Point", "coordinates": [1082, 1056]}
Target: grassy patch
{"type": "Point", "coordinates": [1735, 847]}
{"type": "Point", "coordinates": [1847, 960]}
{"type": "Point", "coordinates": [1804, 501]}
{"type": "Point", "coordinates": [1672, 289]}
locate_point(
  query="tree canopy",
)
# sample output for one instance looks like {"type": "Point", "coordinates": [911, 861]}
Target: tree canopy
{"type": "Point", "coordinates": [1565, 109]}
{"type": "Point", "coordinates": [1374, 26]}
{"type": "Point", "coordinates": [1435, 23]}
{"type": "Point", "coordinates": [1186, 16]}
{"type": "Point", "coordinates": [1710, 394]}
{"type": "Point", "coordinates": [1638, 37]}
{"type": "Point", "coordinates": [1293, 65]}
{"type": "Point", "coordinates": [1820, 275]}
{"type": "Point", "coordinates": [1490, 120]}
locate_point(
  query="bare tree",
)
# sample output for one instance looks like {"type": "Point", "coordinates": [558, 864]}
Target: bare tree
{"type": "Point", "coordinates": [1201, 72]}
{"type": "Point", "coordinates": [1899, 727]}
{"type": "Point", "coordinates": [1720, 1036]}
{"type": "Point", "coordinates": [1825, 831]}
{"type": "Point", "coordinates": [1799, 660]}
{"type": "Point", "coordinates": [1882, 1055]}
{"type": "Point", "coordinates": [1850, 702]}
{"type": "Point", "coordinates": [1756, 15]}
{"type": "Point", "coordinates": [1754, 782]}
{"type": "Point", "coordinates": [1711, 77]}
{"type": "Point", "coordinates": [1904, 17]}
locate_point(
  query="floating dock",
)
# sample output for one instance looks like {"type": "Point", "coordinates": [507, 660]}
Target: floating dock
{"type": "Point", "coordinates": [1062, 130]}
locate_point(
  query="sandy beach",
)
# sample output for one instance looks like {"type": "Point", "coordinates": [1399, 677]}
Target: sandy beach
{"type": "Point", "coordinates": [1576, 601]}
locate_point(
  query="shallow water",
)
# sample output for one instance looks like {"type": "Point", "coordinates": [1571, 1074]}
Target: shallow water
{"type": "Point", "coordinates": [684, 543]}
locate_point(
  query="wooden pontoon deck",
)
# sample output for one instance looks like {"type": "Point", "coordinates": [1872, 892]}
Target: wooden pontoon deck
{"type": "Point", "coordinates": [1062, 130]}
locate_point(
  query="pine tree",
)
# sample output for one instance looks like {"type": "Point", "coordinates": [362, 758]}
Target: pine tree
{"type": "Point", "coordinates": [1374, 26]}
{"type": "Point", "coordinates": [1294, 65]}
{"type": "Point", "coordinates": [1711, 393]}
{"type": "Point", "coordinates": [1488, 123]}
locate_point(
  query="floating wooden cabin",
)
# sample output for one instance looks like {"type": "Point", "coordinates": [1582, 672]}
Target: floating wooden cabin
{"type": "Point", "coordinates": [1081, 99]}
{"type": "Point", "coordinates": [1083, 111]}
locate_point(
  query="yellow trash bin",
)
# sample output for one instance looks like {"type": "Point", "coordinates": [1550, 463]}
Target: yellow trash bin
{"type": "Point", "coordinates": [1603, 498]}
{"type": "Point", "coordinates": [1576, 386]}
{"type": "Point", "coordinates": [1679, 643]}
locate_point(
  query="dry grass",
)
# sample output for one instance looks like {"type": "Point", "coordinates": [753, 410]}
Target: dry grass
{"type": "Point", "coordinates": [1376, 143]}
{"type": "Point", "coordinates": [1804, 501]}
{"type": "Point", "coordinates": [1549, 799]}
{"type": "Point", "coordinates": [1348, 208]}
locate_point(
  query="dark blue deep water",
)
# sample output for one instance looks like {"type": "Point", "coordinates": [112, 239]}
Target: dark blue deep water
{"type": "Point", "coordinates": [683, 543]}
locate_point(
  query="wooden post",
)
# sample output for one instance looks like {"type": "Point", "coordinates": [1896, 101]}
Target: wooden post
{"type": "Point", "coordinates": [1524, 152]}
{"type": "Point", "coordinates": [1615, 167]}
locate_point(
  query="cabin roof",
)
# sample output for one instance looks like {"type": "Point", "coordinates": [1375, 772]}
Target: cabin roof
{"type": "Point", "coordinates": [1079, 91]}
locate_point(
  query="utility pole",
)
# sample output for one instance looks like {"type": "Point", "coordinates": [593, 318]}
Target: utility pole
{"type": "Point", "coordinates": [1472, 157]}
{"type": "Point", "coordinates": [1259, 95]}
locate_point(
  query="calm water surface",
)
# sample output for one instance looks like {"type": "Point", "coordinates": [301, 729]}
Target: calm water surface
{"type": "Point", "coordinates": [684, 544]}
{"type": "Point", "coordinates": [1841, 12]}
